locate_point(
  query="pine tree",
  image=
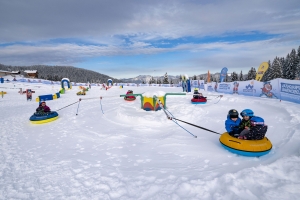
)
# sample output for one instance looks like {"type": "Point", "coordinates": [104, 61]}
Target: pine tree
{"type": "Point", "coordinates": [226, 78]}
{"type": "Point", "coordinates": [194, 77]}
{"type": "Point", "coordinates": [251, 74]}
{"type": "Point", "coordinates": [241, 78]}
{"type": "Point", "coordinates": [234, 76]}
{"type": "Point", "coordinates": [151, 81]}
{"type": "Point", "coordinates": [276, 71]}
{"type": "Point", "coordinates": [291, 73]}
{"type": "Point", "coordinates": [166, 79]}
{"type": "Point", "coordinates": [297, 71]}
{"type": "Point", "coordinates": [285, 67]}
{"type": "Point", "coordinates": [171, 82]}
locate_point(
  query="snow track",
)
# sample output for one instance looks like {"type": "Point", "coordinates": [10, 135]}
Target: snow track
{"type": "Point", "coordinates": [128, 153]}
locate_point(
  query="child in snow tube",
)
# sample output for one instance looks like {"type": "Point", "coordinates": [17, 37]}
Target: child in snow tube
{"type": "Point", "coordinates": [43, 108]}
{"type": "Point", "coordinates": [232, 123]}
{"type": "Point", "coordinates": [129, 97]}
{"type": "Point", "coordinates": [245, 124]}
{"type": "Point", "coordinates": [196, 93]}
{"type": "Point", "coordinates": [257, 131]}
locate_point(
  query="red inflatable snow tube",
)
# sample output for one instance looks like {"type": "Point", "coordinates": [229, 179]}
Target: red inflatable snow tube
{"type": "Point", "coordinates": [129, 98]}
{"type": "Point", "coordinates": [199, 101]}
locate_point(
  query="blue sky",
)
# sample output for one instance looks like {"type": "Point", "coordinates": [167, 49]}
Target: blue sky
{"type": "Point", "coordinates": [124, 39]}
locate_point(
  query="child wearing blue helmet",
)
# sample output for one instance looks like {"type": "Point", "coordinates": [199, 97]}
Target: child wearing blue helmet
{"type": "Point", "coordinates": [245, 124]}
{"type": "Point", "coordinates": [232, 123]}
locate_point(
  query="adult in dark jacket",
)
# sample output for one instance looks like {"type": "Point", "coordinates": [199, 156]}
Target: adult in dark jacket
{"type": "Point", "coordinates": [232, 123]}
{"type": "Point", "coordinates": [43, 108]}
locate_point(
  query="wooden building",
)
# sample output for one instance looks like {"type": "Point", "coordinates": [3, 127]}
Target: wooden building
{"type": "Point", "coordinates": [32, 73]}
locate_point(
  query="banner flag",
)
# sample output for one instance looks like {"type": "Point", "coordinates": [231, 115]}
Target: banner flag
{"type": "Point", "coordinates": [223, 74]}
{"type": "Point", "coordinates": [261, 70]}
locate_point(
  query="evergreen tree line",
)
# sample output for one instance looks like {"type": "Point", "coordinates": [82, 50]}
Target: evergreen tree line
{"type": "Point", "coordinates": [56, 73]}
{"type": "Point", "coordinates": [159, 81]}
{"type": "Point", "coordinates": [287, 68]}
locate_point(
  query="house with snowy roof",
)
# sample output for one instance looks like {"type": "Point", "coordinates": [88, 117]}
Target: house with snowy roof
{"type": "Point", "coordinates": [31, 73]}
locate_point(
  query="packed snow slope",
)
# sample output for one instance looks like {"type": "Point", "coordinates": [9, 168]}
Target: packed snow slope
{"type": "Point", "coordinates": [129, 153]}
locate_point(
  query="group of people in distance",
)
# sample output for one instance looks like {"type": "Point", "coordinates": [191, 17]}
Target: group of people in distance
{"type": "Point", "coordinates": [249, 128]}
{"type": "Point", "coordinates": [197, 95]}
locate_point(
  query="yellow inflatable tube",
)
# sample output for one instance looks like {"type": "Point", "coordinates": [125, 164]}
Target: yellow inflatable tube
{"type": "Point", "coordinates": [246, 147]}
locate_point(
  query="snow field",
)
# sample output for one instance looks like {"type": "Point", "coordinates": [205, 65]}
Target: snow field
{"type": "Point", "coordinates": [129, 153]}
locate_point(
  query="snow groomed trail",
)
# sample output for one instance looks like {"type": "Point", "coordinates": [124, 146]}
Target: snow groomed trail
{"type": "Point", "coordinates": [129, 153]}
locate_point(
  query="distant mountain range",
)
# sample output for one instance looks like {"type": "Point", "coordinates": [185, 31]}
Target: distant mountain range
{"type": "Point", "coordinates": [147, 78]}
{"type": "Point", "coordinates": [175, 79]}
{"type": "Point", "coordinates": [56, 73]}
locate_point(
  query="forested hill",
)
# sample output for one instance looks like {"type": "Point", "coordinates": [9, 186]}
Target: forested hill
{"type": "Point", "coordinates": [56, 73]}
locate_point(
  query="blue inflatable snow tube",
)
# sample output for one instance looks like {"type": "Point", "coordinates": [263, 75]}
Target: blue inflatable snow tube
{"type": "Point", "coordinates": [43, 118]}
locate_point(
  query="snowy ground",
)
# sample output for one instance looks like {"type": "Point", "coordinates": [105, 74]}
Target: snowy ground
{"type": "Point", "coordinates": [128, 153]}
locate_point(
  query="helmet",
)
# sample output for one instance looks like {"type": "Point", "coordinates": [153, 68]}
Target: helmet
{"type": "Point", "coordinates": [257, 121]}
{"type": "Point", "coordinates": [196, 89]}
{"type": "Point", "coordinates": [247, 112]}
{"type": "Point", "coordinates": [233, 113]}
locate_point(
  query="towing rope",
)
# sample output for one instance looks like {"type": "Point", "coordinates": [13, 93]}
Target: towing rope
{"type": "Point", "coordinates": [175, 121]}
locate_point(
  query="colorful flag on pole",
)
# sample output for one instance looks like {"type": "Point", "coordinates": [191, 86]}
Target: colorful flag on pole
{"type": "Point", "coordinates": [208, 77]}
{"type": "Point", "coordinates": [223, 74]}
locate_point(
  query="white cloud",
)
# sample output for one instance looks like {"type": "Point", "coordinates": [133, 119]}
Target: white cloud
{"type": "Point", "coordinates": [105, 24]}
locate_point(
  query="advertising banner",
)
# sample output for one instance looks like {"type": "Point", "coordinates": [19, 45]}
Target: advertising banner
{"type": "Point", "coordinates": [210, 87]}
{"type": "Point", "coordinates": [201, 85]}
{"type": "Point", "coordinates": [195, 83]}
{"type": "Point", "coordinates": [269, 89]}
{"type": "Point", "coordinates": [225, 88]}
{"type": "Point", "coordinates": [223, 74]}
{"type": "Point", "coordinates": [245, 88]}
{"type": "Point", "coordinates": [290, 90]}
{"type": "Point", "coordinates": [261, 70]}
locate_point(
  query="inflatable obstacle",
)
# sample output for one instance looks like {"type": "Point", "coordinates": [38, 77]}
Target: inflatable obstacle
{"type": "Point", "coordinates": [43, 118]}
{"type": "Point", "coordinates": [253, 148]}
{"type": "Point", "coordinates": [81, 93]}
{"type": "Point", "coordinates": [150, 101]}
{"type": "Point", "coordinates": [2, 93]}
{"type": "Point", "coordinates": [47, 97]}
{"type": "Point", "coordinates": [83, 90]}
{"type": "Point", "coordinates": [66, 81]}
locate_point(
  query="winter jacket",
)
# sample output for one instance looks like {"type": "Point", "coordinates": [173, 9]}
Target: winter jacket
{"type": "Point", "coordinates": [129, 97]}
{"type": "Point", "coordinates": [232, 127]}
{"type": "Point", "coordinates": [43, 109]}
{"type": "Point", "coordinates": [257, 132]}
{"type": "Point", "coordinates": [196, 96]}
{"type": "Point", "coordinates": [245, 123]}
